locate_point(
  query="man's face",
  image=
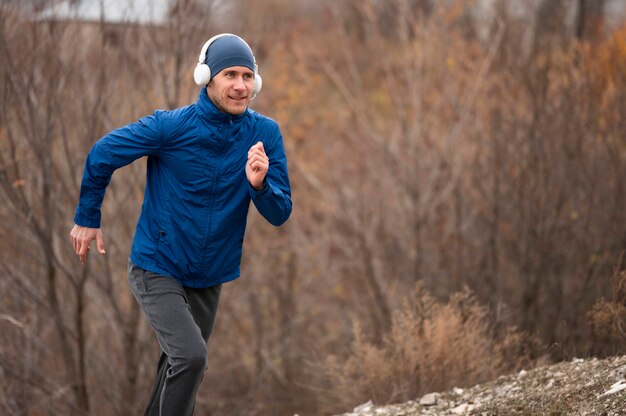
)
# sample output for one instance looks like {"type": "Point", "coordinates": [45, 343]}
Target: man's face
{"type": "Point", "coordinates": [231, 89]}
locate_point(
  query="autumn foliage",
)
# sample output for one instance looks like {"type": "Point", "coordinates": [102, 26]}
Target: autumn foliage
{"type": "Point", "coordinates": [459, 184]}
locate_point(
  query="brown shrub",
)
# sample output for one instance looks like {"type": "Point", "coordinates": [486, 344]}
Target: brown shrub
{"type": "Point", "coordinates": [432, 346]}
{"type": "Point", "coordinates": [608, 317]}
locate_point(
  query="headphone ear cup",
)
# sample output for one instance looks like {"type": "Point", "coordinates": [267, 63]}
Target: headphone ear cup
{"type": "Point", "coordinates": [258, 83]}
{"type": "Point", "coordinates": [202, 74]}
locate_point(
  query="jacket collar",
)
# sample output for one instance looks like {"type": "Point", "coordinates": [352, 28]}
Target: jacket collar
{"type": "Point", "coordinates": [209, 111]}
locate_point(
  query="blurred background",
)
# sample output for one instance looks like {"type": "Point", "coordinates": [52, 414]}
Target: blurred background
{"type": "Point", "coordinates": [459, 185]}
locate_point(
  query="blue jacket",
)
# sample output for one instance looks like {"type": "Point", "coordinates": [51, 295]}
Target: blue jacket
{"type": "Point", "coordinates": [197, 194]}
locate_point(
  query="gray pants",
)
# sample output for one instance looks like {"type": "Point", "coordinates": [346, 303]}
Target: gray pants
{"type": "Point", "coordinates": [182, 319]}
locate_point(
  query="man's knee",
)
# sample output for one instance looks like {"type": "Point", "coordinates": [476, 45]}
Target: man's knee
{"type": "Point", "coordinates": [195, 359]}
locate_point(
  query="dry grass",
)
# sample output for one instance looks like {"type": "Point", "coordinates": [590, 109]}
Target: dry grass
{"type": "Point", "coordinates": [431, 346]}
{"type": "Point", "coordinates": [608, 316]}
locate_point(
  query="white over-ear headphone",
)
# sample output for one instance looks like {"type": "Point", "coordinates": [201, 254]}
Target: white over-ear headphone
{"type": "Point", "coordinates": [202, 73]}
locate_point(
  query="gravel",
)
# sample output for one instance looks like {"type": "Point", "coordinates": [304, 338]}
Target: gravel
{"type": "Point", "coordinates": [577, 387]}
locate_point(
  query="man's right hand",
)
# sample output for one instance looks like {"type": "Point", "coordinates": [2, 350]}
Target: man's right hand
{"type": "Point", "coordinates": [82, 238]}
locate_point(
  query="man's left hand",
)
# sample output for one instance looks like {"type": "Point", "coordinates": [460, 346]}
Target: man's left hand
{"type": "Point", "coordinates": [257, 165]}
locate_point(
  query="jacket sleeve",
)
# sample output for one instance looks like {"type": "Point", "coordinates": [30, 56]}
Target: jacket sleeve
{"type": "Point", "coordinates": [116, 149]}
{"type": "Point", "coordinates": [273, 201]}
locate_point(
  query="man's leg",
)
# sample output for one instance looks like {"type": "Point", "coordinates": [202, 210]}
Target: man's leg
{"type": "Point", "coordinates": [203, 303]}
{"type": "Point", "coordinates": [153, 408]}
{"type": "Point", "coordinates": [182, 319]}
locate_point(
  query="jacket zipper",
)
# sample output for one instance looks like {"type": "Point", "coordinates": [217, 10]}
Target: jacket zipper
{"type": "Point", "coordinates": [207, 232]}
